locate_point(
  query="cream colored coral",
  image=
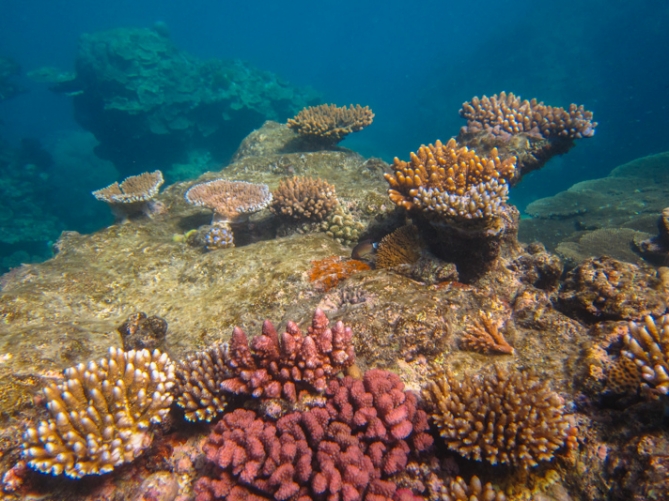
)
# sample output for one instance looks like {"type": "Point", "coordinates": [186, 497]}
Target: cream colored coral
{"type": "Point", "coordinates": [133, 189]}
{"type": "Point", "coordinates": [231, 201]}
{"type": "Point", "coordinates": [329, 124]}
{"type": "Point", "coordinates": [647, 344]}
{"type": "Point", "coordinates": [101, 413]}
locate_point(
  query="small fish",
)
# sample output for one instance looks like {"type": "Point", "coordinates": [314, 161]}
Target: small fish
{"type": "Point", "coordinates": [364, 249]}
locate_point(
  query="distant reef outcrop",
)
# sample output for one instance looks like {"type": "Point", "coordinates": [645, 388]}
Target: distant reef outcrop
{"type": "Point", "coordinates": [149, 103]}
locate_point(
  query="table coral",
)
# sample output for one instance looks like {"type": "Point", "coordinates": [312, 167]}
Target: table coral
{"type": "Point", "coordinates": [304, 199]}
{"type": "Point", "coordinates": [101, 414]}
{"type": "Point", "coordinates": [133, 196]}
{"type": "Point", "coordinates": [348, 449]}
{"type": "Point", "coordinates": [451, 181]}
{"type": "Point", "coordinates": [502, 418]}
{"type": "Point", "coordinates": [328, 124]}
{"type": "Point", "coordinates": [647, 344]}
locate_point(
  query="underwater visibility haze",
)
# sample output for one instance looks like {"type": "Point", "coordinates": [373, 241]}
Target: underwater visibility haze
{"type": "Point", "coordinates": [334, 250]}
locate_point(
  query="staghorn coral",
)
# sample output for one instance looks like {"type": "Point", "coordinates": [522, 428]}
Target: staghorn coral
{"type": "Point", "coordinates": [133, 196]}
{"type": "Point", "coordinates": [451, 181]}
{"type": "Point", "coordinates": [485, 337]}
{"type": "Point", "coordinates": [198, 380]}
{"type": "Point", "coordinates": [348, 449]}
{"type": "Point", "coordinates": [647, 344]}
{"type": "Point", "coordinates": [304, 199]}
{"type": "Point", "coordinates": [327, 273]}
{"type": "Point", "coordinates": [500, 418]}
{"type": "Point", "coordinates": [328, 124]}
{"type": "Point", "coordinates": [402, 246]}
{"type": "Point", "coordinates": [607, 289]}
{"type": "Point", "coordinates": [101, 413]}
{"type": "Point", "coordinates": [529, 130]}
{"type": "Point", "coordinates": [274, 367]}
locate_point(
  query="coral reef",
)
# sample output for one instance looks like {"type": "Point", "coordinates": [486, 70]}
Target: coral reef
{"type": "Point", "coordinates": [500, 418]}
{"type": "Point", "coordinates": [348, 449]}
{"type": "Point", "coordinates": [485, 337]}
{"type": "Point", "coordinates": [9, 69]}
{"type": "Point", "coordinates": [101, 414]}
{"type": "Point", "coordinates": [304, 199]}
{"type": "Point", "coordinates": [657, 248]}
{"type": "Point", "coordinates": [607, 289]}
{"type": "Point", "coordinates": [133, 196]}
{"type": "Point", "coordinates": [647, 344]}
{"type": "Point", "coordinates": [458, 490]}
{"type": "Point", "coordinates": [529, 130]}
{"type": "Point", "coordinates": [217, 236]}
{"type": "Point", "coordinates": [149, 103]}
{"type": "Point", "coordinates": [402, 246]}
{"type": "Point", "coordinates": [141, 332]}
{"type": "Point", "coordinates": [538, 267]}
{"type": "Point", "coordinates": [327, 273]}
{"type": "Point", "coordinates": [328, 124]}
{"type": "Point", "coordinates": [451, 181]}
{"type": "Point", "coordinates": [198, 383]}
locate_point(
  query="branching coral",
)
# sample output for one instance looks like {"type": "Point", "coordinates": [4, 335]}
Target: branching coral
{"type": "Point", "coordinates": [485, 337]}
{"type": "Point", "coordinates": [500, 418]}
{"type": "Point", "coordinates": [101, 414]}
{"type": "Point", "coordinates": [647, 344]}
{"type": "Point", "coordinates": [304, 199]}
{"type": "Point", "coordinates": [133, 196]}
{"type": "Point", "coordinates": [451, 181]}
{"type": "Point", "coordinates": [458, 490]}
{"type": "Point", "coordinates": [345, 450]}
{"type": "Point", "coordinates": [328, 124]}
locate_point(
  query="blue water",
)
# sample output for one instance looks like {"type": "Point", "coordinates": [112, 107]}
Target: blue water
{"type": "Point", "coordinates": [412, 63]}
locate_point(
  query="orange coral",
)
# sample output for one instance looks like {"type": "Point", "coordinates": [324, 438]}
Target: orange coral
{"type": "Point", "coordinates": [451, 180]}
{"type": "Point", "coordinates": [327, 273]}
{"type": "Point", "coordinates": [485, 337]}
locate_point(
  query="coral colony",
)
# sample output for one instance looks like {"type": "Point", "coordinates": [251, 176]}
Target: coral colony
{"type": "Point", "coordinates": [289, 412]}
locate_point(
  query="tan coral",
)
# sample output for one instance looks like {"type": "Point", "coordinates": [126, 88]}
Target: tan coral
{"type": "Point", "coordinates": [507, 113]}
{"type": "Point", "coordinates": [502, 418]}
{"type": "Point", "coordinates": [304, 199]}
{"type": "Point", "coordinates": [231, 201]}
{"type": "Point", "coordinates": [485, 337]}
{"type": "Point", "coordinates": [451, 181]}
{"type": "Point", "coordinates": [133, 196]}
{"type": "Point", "coordinates": [101, 413]}
{"type": "Point", "coordinates": [329, 124]}
{"type": "Point", "coordinates": [198, 383]}
{"type": "Point", "coordinates": [647, 344]}
{"type": "Point", "coordinates": [402, 246]}
{"type": "Point", "coordinates": [458, 490]}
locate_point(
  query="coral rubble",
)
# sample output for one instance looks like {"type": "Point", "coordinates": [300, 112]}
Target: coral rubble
{"type": "Point", "coordinates": [328, 124]}
{"type": "Point", "coordinates": [304, 199]}
{"type": "Point", "coordinates": [133, 196]}
{"type": "Point", "coordinates": [101, 414]}
{"type": "Point", "coordinates": [501, 418]}
{"type": "Point", "coordinates": [647, 344]}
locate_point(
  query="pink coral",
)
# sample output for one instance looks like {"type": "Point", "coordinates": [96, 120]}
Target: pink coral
{"type": "Point", "coordinates": [348, 450]}
{"type": "Point", "coordinates": [271, 367]}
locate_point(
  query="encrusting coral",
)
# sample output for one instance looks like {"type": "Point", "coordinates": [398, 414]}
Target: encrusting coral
{"type": "Point", "coordinates": [647, 344]}
{"type": "Point", "coordinates": [501, 418]}
{"type": "Point", "coordinates": [485, 337]}
{"type": "Point", "coordinates": [327, 273]}
{"type": "Point", "coordinates": [451, 181]}
{"type": "Point", "coordinates": [328, 124]}
{"type": "Point", "coordinates": [349, 449]}
{"type": "Point", "coordinates": [304, 199]}
{"type": "Point", "coordinates": [232, 202]}
{"type": "Point", "coordinates": [530, 130]}
{"type": "Point", "coordinates": [133, 196]}
{"type": "Point", "coordinates": [101, 413]}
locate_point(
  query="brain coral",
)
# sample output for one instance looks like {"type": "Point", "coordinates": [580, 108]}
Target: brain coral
{"type": "Point", "coordinates": [502, 418]}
